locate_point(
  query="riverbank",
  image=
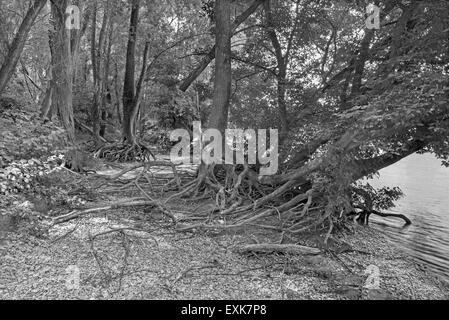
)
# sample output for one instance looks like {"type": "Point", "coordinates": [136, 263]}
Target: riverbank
{"type": "Point", "coordinates": [144, 258]}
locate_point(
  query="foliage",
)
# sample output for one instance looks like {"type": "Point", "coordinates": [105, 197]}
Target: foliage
{"type": "Point", "coordinates": [368, 198]}
{"type": "Point", "coordinates": [24, 135]}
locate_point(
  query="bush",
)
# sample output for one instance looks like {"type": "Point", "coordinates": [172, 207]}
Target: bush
{"type": "Point", "coordinates": [23, 135]}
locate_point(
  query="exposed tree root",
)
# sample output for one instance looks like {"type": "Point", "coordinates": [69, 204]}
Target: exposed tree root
{"type": "Point", "coordinates": [145, 173]}
{"type": "Point", "coordinates": [161, 207]}
{"type": "Point", "coordinates": [111, 206]}
{"type": "Point", "coordinates": [292, 206]}
{"type": "Point", "coordinates": [401, 216]}
{"type": "Point", "coordinates": [239, 201]}
{"type": "Point", "coordinates": [363, 216]}
{"type": "Point", "coordinates": [124, 152]}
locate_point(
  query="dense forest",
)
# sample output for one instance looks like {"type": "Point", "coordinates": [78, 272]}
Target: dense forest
{"type": "Point", "coordinates": [343, 89]}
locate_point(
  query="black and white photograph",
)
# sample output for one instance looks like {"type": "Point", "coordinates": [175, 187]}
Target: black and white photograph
{"type": "Point", "coordinates": [224, 155]}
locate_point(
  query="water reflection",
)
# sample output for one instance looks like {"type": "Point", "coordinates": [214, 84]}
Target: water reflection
{"type": "Point", "coordinates": [425, 184]}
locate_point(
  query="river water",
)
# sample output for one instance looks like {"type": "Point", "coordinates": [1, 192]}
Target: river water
{"type": "Point", "coordinates": [425, 184]}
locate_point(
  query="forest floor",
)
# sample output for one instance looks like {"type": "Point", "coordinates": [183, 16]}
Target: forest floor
{"type": "Point", "coordinates": [136, 253]}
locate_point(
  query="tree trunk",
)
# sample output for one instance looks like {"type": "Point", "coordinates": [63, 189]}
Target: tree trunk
{"type": "Point", "coordinates": [76, 36]}
{"type": "Point", "coordinates": [105, 91]}
{"type": "Point", "coordinates": [100, 64]}
{"type": "Point", "coordinates": [281, 75]}
{"type": "Point", "coordinates": [211, 54]}
{"type": "Point", "coordinates": [129, 86]}
{"type": "Point", "coordinates": [222, 84]}
{"type": "Point", "coordinates": [118, 100]}
{"type": "Point", "coordinates": [16, 48]}
{"type": "Point", "coordinates": [95, 72]}
{"type": "Point", "coordinates": [359, 67]}
{"type": "Point", "coordinates": [62, 75]}
{"type": "Point", "coordinates": [282, 104]}
{"type": "Point", "coordinates": [46, 103]}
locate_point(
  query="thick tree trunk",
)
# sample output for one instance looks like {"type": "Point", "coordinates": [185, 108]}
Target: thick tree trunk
{"type": "Point", "coordinates": [16, 48]}
{"type": "Point", "coordinates": [222, 85]}
{"type": "Point", "coordinates": [211, 54]}
{"type": "Point", "coordinates": [100, 64]}
{"type": "Point", "coordinates": [62, 68]}
{"type": "Point", "coordinates": [129, 86]}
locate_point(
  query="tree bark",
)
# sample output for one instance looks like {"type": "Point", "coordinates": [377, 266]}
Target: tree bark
{"type": "Point", "coordinates": [62, 75]}
{"type": "Point", "coordinates": [359, 66]}
{"type": "Point", "coordinates": [95, 72]}
{"type": "Point", "coordinates": [46, 103]}
{"type": "Point", "coordinates": [211, 54]}
{"type": "Point", "coordinates": [17, 45]}
{"type": "Point", "coordinates": [105, 89]}
{"type": "Point", "coordinates": [222, 84]}
{"type": "Point", "coordinates": [118, 100]}
{"type": "Point", "coordinates": [129, 86]}
{"type": "Point", "coordinates": [76, 36]}
{"type": "Point", "coordinates": [282, 104]}
{"type": "Point", "coordinates": [281, 77]}
{"type": "Point", "coordinates": [100, 64]}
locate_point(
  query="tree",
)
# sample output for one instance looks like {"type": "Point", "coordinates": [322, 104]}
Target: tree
{"type": "Point", "coordinates": [16, 47]}
{"type": "Point", "coordinates": [211, 54]}
{"type": "Point", "coordinates": [398, 106]}
{"type": "Point", "coordinates": [100, 57]}
{"type": "Point", "coordinates": [222, 82]}
{"type": "Point", "coordinates": [62, 73]}
{"type": "Point", "coordinates": [129, 107]}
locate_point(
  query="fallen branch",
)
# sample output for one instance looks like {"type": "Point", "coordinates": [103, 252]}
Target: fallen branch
{"type": "Point", "coordinates": [395, 215]}
{"type": "Point", "coordinates": [116, 205]}
{"type": "Point", "coordinates": [83, 126]}
{"type": "Point", "coordinates": [161, 207]}
{"type": "Point", "coordinates": [281, 248]}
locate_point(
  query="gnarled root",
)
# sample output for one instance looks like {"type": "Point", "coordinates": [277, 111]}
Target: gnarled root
{"type": "Point", "coordinates": [124, 152]}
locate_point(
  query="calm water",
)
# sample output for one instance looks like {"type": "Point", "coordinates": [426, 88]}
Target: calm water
{"type": "Point", "coordinates": [425, 184]}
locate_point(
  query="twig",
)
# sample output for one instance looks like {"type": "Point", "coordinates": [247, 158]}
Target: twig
{"type": "Point", "coordinates": [66, 234]}
{"type": "Point", "coordinates": [183, 274]}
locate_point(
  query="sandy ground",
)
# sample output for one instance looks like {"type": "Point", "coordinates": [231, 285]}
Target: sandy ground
{"type": "Point", "coordinates": [152, 261]}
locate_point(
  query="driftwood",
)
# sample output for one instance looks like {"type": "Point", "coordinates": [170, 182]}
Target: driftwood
{"type": "Point", "coordinates": [280, 248]}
